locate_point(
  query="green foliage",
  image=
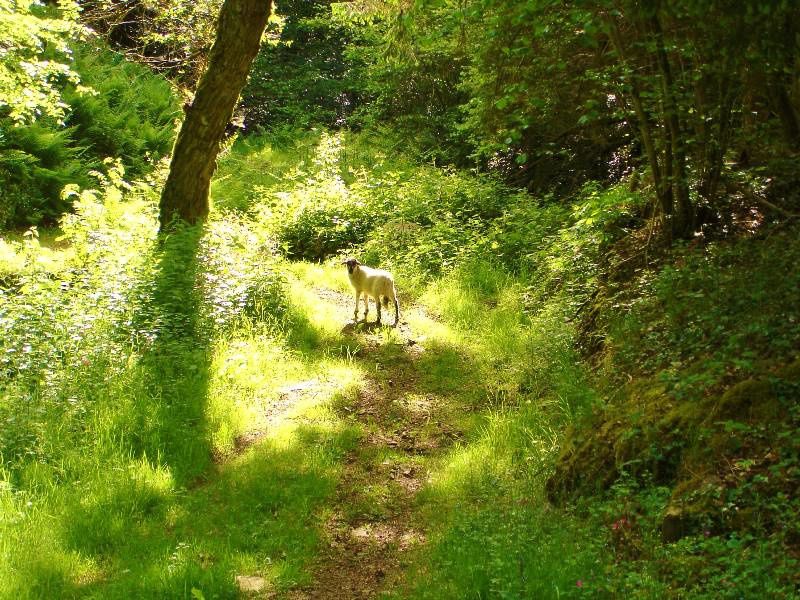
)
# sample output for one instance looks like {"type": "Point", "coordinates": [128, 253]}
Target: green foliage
{"type": "Point", "coordinates": [312, 74]}
{"type": "Point", "coordinates": [126, 113]}
{"type": "Point", "coordinates": [130, 363]}
{"type": "Point", "coordinates": [348, 190]}
{"type": "Point", "coordinates": [170, 36]}
{"type": "Point", "coordinates": [34, 65]}
{"type": "Point", "coordinates": [33, 71]}
{"type": "Point", "coordinates": [121, 379]}
{"type": "Point", "coordinates": [550, 96]}
{"type": "Point", "coordinates": [712, 316]}
{"type": "Point", "coordinates": [36, 162]}
{"type": "Point", "coordinates": [510, 550]}
{"type": "Point", "coordinates": [110, 108]}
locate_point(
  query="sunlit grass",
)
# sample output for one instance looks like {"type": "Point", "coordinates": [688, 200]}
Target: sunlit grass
{"type": "Point", "coordinates": [195, 427]}
{"type": "Point", "coordinates": [119, 495]}
{"type": "Point", "coordinates": [255, 167]}
{"type": "Point", "coordinates": [330, 275]}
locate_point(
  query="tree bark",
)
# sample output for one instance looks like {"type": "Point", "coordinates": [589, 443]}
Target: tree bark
{"type": "Point", "coordinates": [782, 104]}
{"type": "Point", "coordinates": [643, 119]}
{"type": "Point", "coordinates": [185, 194]}
{"type": "Point", "coordinates": [718, 147]}
{"type": "Point", "coordinates": [683, 219]}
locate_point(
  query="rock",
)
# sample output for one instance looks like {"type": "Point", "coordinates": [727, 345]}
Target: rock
{"type": "Point", "coordinates": [674, 526]}
{"type": "Point", "coordinates": [250, 583]}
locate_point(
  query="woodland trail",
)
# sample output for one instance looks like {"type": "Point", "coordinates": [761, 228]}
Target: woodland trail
{"type": "Point", "coordinates": [370, 525]}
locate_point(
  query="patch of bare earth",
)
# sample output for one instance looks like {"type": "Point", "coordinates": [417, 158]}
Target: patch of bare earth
{"type": "Point", "coordinates": [278, 409]}
{"type": "Point", "coordinates": [371, 527]}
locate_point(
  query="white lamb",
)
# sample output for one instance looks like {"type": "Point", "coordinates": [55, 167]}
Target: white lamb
{"type": "Point", "coordinates": [372, 282]}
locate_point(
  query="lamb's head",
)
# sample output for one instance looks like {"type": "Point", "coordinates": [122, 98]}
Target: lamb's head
{"type": "Point", "coordinates": [351, 263]}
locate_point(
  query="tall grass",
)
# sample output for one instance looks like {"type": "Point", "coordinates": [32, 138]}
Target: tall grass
{"type": "Point", "coordinates": [131, 368]}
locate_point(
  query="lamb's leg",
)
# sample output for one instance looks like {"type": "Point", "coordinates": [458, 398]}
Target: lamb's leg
{"type": "Point", "coordinates": [355, 312]}
{"type": "Point", "coordinates": [378, 307]}
{"type": "Point", "coordinates": [366, 306]}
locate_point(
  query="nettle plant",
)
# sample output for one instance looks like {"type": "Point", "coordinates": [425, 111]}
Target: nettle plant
{"type": "Point", "coordinates": [110, 295]}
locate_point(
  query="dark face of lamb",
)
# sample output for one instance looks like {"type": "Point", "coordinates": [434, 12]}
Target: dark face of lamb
{"type": "Point", "coordinates": [351, 263]}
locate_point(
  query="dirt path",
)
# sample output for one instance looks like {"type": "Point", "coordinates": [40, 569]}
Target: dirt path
{"type": "Point", "coordinates": [371, 525]}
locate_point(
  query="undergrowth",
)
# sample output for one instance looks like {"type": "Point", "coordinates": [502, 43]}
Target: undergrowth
{"type": "Point", "coordinates": [95, 106]}
{"type": "Point", "coordinates": [513, 278]}
{"type": "Point", "coordinates": [130, 366]}
{"type": "Point", "coordinates": [134, 368]}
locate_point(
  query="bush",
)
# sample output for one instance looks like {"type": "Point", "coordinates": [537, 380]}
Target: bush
{"type": "Point", "coordinates": [710, 317]}
{"type": "Point", "coordinates": [118, 109]}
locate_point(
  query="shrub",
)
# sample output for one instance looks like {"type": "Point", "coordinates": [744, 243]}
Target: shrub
{"type": "Point", "coordinates": [98, 106]}
{"type": "Point", "coordinates": [709, 317]}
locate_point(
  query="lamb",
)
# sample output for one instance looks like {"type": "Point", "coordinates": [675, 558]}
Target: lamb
{"type": "Point", "coordinates": [372, 282]}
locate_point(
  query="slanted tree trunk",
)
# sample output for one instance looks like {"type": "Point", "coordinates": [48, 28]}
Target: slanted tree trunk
{"type": "Point", "coordinates": [185, 194]}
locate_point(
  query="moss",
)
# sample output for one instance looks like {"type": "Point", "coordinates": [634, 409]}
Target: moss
{"type": "Point", "coordinates": [724, 443]}
{"type": "Point", "coordinates": [790, 372]}
{"type": "Point", "coordinates": [622, 436]}
{"type": "Point", "coordinates": [747, 400]}
{"type": "Point", "coordinates": [694, 505]}
{"type": "Point", "coordinates": [684, 415]}
{"type": "Point", "coordinates": [680, 444]}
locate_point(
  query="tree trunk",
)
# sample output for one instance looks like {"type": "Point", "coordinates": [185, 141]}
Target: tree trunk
{"type": "Point", "coordinates": [683, 219]}
{"type": "Point", "coordinates": [782, 104]}
{"type": "Point", "coordinates": [185, 194]}
{"type": "Point", "coordinates": [718, 147]}
{"type": "Point", "coordinates": [645, 134]}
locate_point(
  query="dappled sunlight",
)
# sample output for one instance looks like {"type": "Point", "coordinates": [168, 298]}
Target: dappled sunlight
{"type": "Point", "coordinates": [266, 499]}
{"type": "Point", "coordinates": [325, 317]}
{"type": "Point", "coordinates": [590, 386]}
{"type": "Point", "coordinates": [475, 467]}
{"type": "Point", "coordinates": [487, 313]}
{"type": "Point", "coordinates": [506, 446]}
{"type": "Point", "coordinates": [323, 275]}
{"type": "Point", "coordinates": [242, 411]}
{"type": "Point", "coordinates": [255, 168]}
{"type": "Point", "coordinates": [135, 525]}
{"type": "Point", "coordinates": [246, 376]}
{"type": "Point", "coordinates": [429, 328]}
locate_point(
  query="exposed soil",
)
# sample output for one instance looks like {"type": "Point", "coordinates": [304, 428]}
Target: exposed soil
{"type": "Point", "coordinates": [371, 524]}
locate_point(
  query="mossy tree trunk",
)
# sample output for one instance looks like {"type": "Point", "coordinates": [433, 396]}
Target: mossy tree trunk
{"type": "Point", "coordinates": [185, 194]}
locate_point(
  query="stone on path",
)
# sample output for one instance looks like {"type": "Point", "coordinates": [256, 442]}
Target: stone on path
{"type": "Point", "coordinates": [250, 583]}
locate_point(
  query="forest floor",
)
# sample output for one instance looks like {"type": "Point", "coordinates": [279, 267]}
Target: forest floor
{"type": "Point", "coordinates": [404, 414]}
